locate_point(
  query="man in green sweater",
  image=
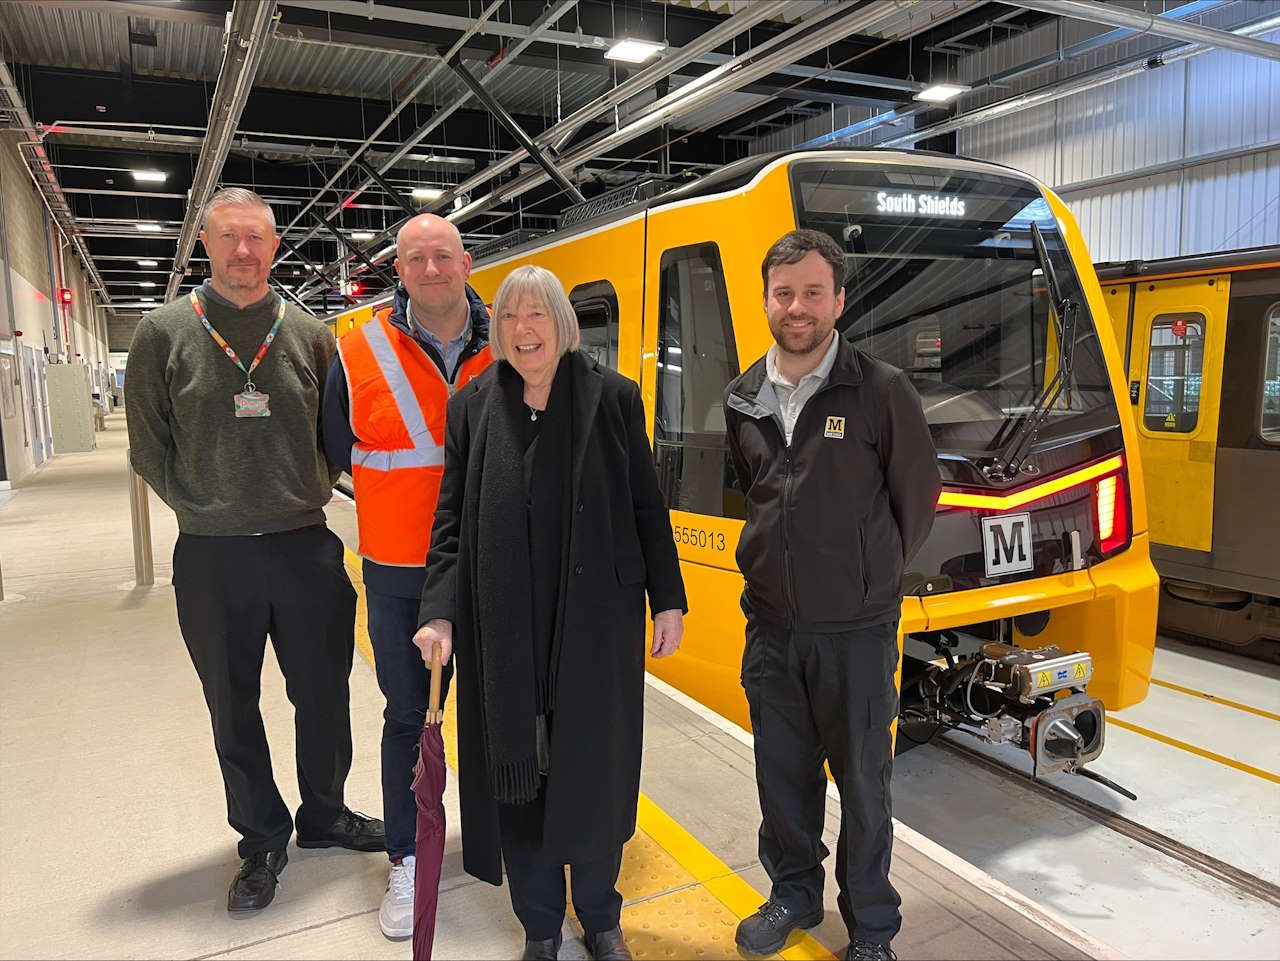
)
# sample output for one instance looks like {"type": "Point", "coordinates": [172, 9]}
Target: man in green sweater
{"type": "Point", "coordinates": [223, 402]}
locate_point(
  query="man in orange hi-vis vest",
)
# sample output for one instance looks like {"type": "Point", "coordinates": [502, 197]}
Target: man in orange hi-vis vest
{"type": "Point", "coordinates": [384, 420]}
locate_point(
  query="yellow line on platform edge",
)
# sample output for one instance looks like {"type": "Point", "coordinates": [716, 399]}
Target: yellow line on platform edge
{"type": "Point", "coordinates": [1199, 751]}
{"type": "Point", "coordinates": [708, 870]}
{"type": "Point", "coordinates": [1214, 698]}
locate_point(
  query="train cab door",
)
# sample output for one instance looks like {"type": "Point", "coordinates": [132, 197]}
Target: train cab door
{"type": "Point", "coordinates": [1176, 346]}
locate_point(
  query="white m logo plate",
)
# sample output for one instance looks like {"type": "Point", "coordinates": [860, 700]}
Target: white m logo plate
{"type": "Point", "coordinates": [1006, 544]}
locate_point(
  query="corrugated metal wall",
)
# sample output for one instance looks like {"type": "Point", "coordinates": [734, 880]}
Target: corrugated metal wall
{"type": "Point", "coordinates": [828, 121]}
{"type": "Point", "coordinates": [1218, 101]}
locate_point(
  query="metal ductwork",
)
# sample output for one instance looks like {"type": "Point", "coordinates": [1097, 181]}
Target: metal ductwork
{"type": "Point", "coordinates": [246, 38]}
{"type": "Point", "coordinates": [1117, 16]}
{"type": "Point", "coordinates": [38, 165]}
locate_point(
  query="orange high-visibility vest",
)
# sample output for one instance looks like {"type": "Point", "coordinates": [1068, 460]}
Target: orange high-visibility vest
{"type": "Point", "coordinates": [398, 398]}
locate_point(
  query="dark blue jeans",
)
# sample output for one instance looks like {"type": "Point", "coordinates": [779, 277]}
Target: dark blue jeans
{"type": "Point", "coordinates": [405, 683]}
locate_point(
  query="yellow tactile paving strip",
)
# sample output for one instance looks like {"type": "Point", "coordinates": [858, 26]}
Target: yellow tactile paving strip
{"type": "Point", "coordinates": [679, 899]}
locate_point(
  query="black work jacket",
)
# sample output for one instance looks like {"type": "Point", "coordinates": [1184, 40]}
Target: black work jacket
{"type": "Point", "coordinates": [833, 516]}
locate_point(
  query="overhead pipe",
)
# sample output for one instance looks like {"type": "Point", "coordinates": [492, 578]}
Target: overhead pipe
{"type": "Point", "coordinates": [1118, 16]}
{"type": "Point", "coordinates": [836, 21]}
{"type": "Point", "coordinates": [246, 41]}
{"type": "Point", "coordinates": [556, 135]}
{"type": "Point", "coordinates": [471, 31]}
{"type": "Point", "coordinates": [536, 30]}
{"type": "Point", "coordinates": [1077, 84]}
{"type": "Point", "coordinates": [41, 172]}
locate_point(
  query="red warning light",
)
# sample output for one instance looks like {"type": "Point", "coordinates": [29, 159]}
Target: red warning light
{"type": "Point", "coordinates": [64, 295]}
{"type": "Point", "coordinates": [356, 287]}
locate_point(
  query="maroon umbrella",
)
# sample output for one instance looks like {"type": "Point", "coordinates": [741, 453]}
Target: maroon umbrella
{"type": "Point", "coordinates": [428, 791]}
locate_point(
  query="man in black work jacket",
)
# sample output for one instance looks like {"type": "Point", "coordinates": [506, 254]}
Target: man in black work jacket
{"type": "Point", "coordinates": [841, 482]}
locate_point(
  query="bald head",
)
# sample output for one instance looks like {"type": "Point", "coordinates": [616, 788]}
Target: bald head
{"type": "Point", "coordinates": [434, 269]}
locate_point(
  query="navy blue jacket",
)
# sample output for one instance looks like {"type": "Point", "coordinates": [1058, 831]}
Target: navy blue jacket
{"type": "Point", "coordinates": [338, 437]}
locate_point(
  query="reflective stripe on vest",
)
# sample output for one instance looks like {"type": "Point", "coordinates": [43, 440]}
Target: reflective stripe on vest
{"type": "Point", "coordinates": [425, 451]}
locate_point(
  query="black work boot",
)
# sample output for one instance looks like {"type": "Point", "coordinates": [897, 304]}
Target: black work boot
{"type": "Point", "coordinates": [546, 950]}
{"type": "Point", "coordinates": [869, 951]}
{"type": "Point", "coordinates": [255, 883]}
{"type": "Point", "coordinates": [351, 830]}
{"type": "Point", "coordinates": [766, 931]}
{"type": "Point", "coordinates": [607, 946]}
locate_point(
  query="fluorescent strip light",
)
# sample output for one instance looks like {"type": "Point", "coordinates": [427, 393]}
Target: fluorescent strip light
{"type": "Point", "coordinates": [361, 235]}
{"type": "Point", "coordinates": [633, 51]}
{"type": "Point", "coordinates": [147, 263]}
{"type": "Point", "coordinates": [146, 283]}
{"type": "Point", "coordinates": [427, 193]}
{"type": "Point", "coordinates": [147, 228]}
{"type": "Point", "coordinates": [149, 176]}
{"type": "Point", "coordinates": [941, 92]}
{"type": "Point", "coordinates": [147, 300]}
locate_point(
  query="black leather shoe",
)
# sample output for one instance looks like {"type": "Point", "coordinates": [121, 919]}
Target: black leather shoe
{"type": "Point", "coordinates": [546, 950]}
{"type": "Point", "coordinates": [607, 946]}
{"type": "Point", "coordinates": [255, 883]}
{"type": "Point", "coordinates": [352, 830]}
{"type": "Point", "coordinates": [869, 951]}
{"type": "Point", "coordinates": [766, 931]}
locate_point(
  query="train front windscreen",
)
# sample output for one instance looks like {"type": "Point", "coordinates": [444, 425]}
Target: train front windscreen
{"type": "Point", "coordinates": [962, 279]}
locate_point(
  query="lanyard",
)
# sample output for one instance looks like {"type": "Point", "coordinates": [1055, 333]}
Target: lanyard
{"type": "Point", "coordinates": [227, 348]}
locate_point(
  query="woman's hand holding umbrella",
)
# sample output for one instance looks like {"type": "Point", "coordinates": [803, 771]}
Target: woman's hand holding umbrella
{"type": "Point", "coordinates": [438, 631]}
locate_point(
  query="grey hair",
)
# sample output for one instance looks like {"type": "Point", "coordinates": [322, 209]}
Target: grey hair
{"type": "Point", "coordinates": [545, 286]}
{"type": "Point", "coordinates": [235, 197]}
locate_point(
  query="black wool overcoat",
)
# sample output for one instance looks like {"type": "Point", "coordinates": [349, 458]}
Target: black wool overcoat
{"type": "Point", "coordinates": [620, 548]}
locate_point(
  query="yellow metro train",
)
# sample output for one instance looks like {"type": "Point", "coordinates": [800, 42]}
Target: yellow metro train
{"type": "Point", "coordinates": [1033, 603]}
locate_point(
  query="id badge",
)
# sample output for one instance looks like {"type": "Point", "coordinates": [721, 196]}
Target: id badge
{"type": "Point", "coordinates": [252, 403]}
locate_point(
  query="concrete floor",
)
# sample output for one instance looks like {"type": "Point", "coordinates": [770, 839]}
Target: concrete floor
{"type": "Point", "coordinates": [116, 843]}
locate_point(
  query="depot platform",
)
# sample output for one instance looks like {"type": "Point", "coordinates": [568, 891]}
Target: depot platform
{"type": "Point", "coordinates": [116, 842]}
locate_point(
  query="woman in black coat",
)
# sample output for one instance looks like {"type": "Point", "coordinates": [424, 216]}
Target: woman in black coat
{"type": "Point", "coordinates": [550, 530]}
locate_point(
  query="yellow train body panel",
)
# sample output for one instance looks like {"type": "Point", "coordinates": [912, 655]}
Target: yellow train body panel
{"type": "Point", "coordinates": [1108, 608]}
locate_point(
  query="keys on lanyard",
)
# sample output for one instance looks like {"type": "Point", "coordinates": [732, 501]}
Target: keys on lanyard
{"type": "Point", "coordinates": [249, 402]}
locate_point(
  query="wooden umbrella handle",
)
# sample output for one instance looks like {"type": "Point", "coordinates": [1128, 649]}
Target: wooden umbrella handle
{"type": "Point", "coordinates": [434, 714]}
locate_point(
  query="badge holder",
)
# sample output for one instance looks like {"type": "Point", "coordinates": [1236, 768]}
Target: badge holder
{"type": "Point", "coordinates": [251, 402]}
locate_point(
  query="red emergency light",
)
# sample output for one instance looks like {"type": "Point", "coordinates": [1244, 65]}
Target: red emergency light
{"type": "Point", "coordinates": [64, 296]}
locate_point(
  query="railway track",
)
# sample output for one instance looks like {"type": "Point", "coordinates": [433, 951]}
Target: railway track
{"type": "Point", "coordinates": [1237, 878]}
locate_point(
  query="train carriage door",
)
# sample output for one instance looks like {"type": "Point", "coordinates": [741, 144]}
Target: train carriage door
{"type": "Point", "coordinates": [1176, 351]}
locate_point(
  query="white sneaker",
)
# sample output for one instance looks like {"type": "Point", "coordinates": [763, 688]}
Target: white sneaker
{"type": "Point", "coordinates": [396, 915]}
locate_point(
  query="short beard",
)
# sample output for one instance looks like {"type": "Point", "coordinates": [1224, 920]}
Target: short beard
{"type": "Point", "coordinates": [816, 341]}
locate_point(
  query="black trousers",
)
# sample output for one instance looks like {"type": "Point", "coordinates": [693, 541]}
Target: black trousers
{"type": "Point", "coordinates": [405, 683]}
{"type": "Point", "coordinates": [816, 697]}
{"type": "Point", "coordinates": [232, 593]}
{"type": "Point", "coordinates": [536, 882]}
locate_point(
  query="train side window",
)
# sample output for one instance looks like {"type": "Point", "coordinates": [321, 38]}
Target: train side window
{"type": "Point", "coordinates": [1174, 369]}
{"type": "Point", "coordinates": [596, 305]}
{"type": "Point", "coordinates": [697, 357]}
{"type": "Point", "coordinates": [1271, 379]}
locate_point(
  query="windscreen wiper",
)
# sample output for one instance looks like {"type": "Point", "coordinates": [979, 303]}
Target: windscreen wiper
{"type": "Point", "coordinates": [1006, 464]}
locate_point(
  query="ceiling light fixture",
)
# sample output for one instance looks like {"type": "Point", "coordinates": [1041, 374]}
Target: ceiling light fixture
{"type": "Point", "coordinates": [147, 300]}
{"type": "Point", "coordinates": [941, 92]}
{"type": "Point", "coordinates": [149, 176]}
{"type": "Point", "coordinates": [147, 263]}
{"type": "Point", "coordinates": [633, 51]}
{"type": "Point", "coordinates": [146, 228]}
{"type": "Point", "coordinates": [146, 283]}
{"type": "Point", "coordinates": [361, 235]}
{"type": "Point", "coordinates": [427, 193]}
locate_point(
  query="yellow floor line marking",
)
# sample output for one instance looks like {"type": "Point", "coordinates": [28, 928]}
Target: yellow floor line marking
{"type": "Point", "coordinates": [713, 874]}
{"type": "Point", "coordinates": [1216, 699]}
{"type": "Point", "coordinates": [1192, 749]}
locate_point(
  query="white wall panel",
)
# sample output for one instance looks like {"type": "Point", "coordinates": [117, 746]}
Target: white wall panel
{"type": "Point", "coordinates": [1220, 100]}
{"type": "Point", "coordinates": [1150, 211]}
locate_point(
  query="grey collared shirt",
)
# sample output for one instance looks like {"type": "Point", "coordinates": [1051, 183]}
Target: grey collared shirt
{"type": "Point", "coordinates": [786, 399]}
{"type": "Point", "coordinates": [450, 352]}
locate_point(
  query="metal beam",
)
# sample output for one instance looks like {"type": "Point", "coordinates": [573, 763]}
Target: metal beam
{"type": "Point", "coordinates": [386, 188]}
{"type": "Point", "coordinates": [516, 130]}
{"type": "Point", "coordinates": [246, 40]}
{"type": "Point", "coordinates": [1118, 16]}
{"type": "Point", "coordinates": [345, 241]}
{"type": "Point", "coordinates": [318, 271]}
{"type": "Point", "coordinates": [1170, 166]}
